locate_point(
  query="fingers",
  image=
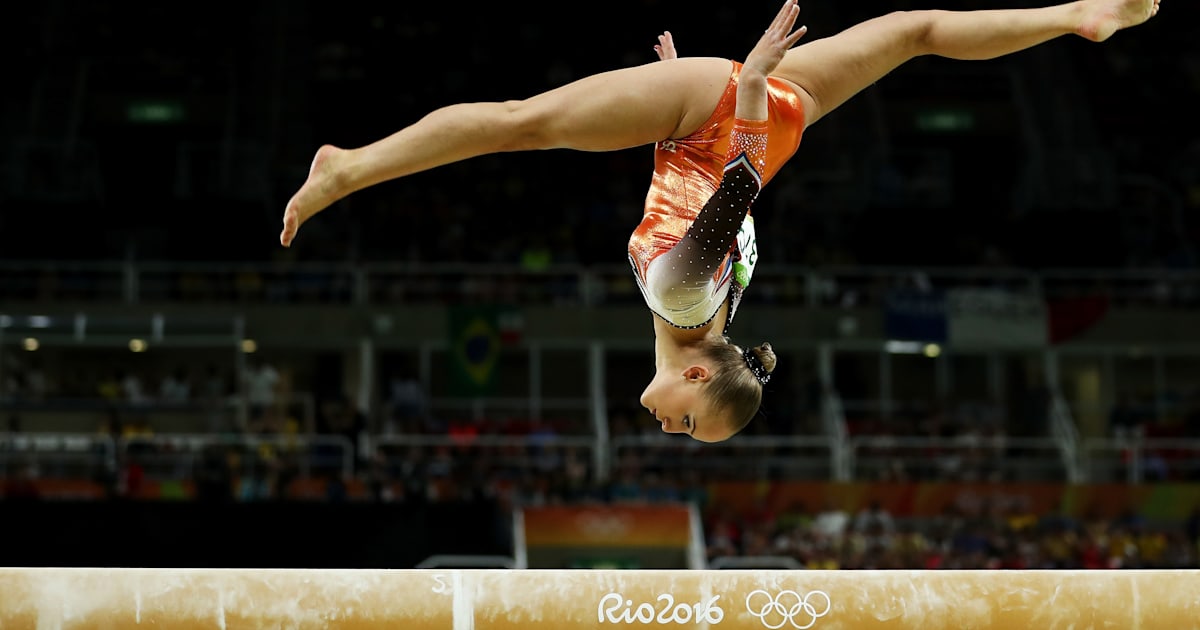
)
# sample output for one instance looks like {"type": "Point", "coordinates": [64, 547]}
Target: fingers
{"type": "Point", "coordinates": [777, 39]}
{"type": "Point", "coordinates": [666, 46]}
{"type": "Point", "coordinates": [781, 26]}
{"type": "Point", "coordinates": [795, 37]}
{"type": "Point", "coordinates": [786, 17]}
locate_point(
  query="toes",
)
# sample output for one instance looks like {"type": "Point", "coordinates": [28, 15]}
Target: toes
{"type": "Point", "coordinates": [289, 230]}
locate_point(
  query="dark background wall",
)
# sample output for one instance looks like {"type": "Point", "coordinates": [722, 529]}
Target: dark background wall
{"type": "Point", "coordinates": [248, 535]}
{"type": "Point", "coordinates": [259, 89]}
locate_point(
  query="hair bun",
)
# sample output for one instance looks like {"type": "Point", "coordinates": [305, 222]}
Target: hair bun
{"type": "Point", "coordinates": [766, 356]}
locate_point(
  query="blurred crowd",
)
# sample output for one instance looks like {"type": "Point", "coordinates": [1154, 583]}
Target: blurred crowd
{"type": "Point", "coordinates": [872, 538]}
{"type": "Point", "coordinates": [539, 470]}
{"type": "Point", "coordinates": [267, 432]}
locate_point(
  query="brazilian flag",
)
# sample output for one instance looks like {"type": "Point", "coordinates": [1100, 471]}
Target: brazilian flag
{"type": "Point", "coordinates": [474, 350]}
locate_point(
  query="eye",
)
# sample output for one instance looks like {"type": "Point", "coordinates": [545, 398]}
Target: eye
{"type": "Point", "coordinates": [687, 421]}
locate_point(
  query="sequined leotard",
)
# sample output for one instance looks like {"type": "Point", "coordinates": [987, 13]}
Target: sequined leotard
{"type": "Point", "coordinates": [696, 227]}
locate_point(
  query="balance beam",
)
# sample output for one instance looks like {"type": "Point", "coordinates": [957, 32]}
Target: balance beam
{"type": "Point", "coordinates": [486, 599]}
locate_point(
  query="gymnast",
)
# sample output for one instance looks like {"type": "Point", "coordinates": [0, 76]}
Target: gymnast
{"type": "Point", "coordinates": [722, 129]}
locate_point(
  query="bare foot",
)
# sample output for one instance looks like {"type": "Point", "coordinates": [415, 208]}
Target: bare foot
{"type": "Point", "coordinates": [318, 192]}
{"type": "Point", "coordinates": [1102, 18]}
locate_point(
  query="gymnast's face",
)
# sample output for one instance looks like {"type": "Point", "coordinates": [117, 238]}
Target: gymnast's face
{"type": "Point", "coordinates": [677, 402]}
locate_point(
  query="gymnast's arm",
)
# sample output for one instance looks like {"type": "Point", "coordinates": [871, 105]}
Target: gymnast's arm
{"type": "Point", "coordinates": [694, 259]}
{"type": "Point", "coordinates": [685, 280]}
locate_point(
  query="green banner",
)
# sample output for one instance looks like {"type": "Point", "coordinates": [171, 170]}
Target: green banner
{"type": "Point", "coordinates": [475, 344]}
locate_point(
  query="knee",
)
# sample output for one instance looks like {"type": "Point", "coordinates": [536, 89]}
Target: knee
{"type": "Point", "coordinates": [916, 28]}
{"type": "Point", "coordinates": [922, 29]}
{"type": "Point", "coordinates": [526, 126]}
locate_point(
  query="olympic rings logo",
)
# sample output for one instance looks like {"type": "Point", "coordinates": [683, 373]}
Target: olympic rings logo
{"type": "Point", "coordinates": [788, 607]}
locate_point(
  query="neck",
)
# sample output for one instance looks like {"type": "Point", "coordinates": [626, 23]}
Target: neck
{"type": "Point", "coordinates": [674, 347]}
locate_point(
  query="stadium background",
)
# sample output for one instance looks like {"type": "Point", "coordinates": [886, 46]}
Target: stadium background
{"type": "Point", "coordinates": [980, 279]}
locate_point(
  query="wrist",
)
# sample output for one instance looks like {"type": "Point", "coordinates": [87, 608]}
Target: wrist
{"type": "Point", "coordinates": [752, 82]}
{"type": "Point", "coordinates": [750, 73]}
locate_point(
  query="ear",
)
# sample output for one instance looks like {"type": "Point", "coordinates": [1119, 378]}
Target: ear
{"type": "Point", "coordinates": [696, 373]}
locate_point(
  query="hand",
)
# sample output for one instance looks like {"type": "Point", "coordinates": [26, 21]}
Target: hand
{"type": "Point", "coordinates": [666, 47]}
{"type": "Point", "coordinates": [776, 41]}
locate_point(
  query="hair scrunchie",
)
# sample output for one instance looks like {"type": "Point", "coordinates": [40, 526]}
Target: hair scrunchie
{"type": "Point", "coordinates": [756, 366]}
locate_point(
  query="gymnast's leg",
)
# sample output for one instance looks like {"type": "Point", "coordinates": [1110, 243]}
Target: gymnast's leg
{"type": "Point", "coordinates": [831, 70]}
{"type": "Point", "coordinates": [604, 112]}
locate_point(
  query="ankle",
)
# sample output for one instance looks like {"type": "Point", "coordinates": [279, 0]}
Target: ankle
{"type": "Point", "coordinates": [1077, 21]}
{"type": "Point", "coordinates": [337, 171]}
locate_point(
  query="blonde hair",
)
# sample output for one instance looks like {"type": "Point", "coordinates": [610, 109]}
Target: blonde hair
{"type": "Point", "coordinates": [734, 388]}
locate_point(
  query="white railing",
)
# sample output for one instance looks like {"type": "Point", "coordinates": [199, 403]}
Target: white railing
{"type": "Point", "coordinates": [572, 413]}
{"type": "Point", "coordinates": [1066, 433]}
{"type": "Point", "coordinates": [801, 457]}
{"type": "Point", "coordinates": [227, 414]}
{"type": "Point", "coordinates": [439, 454]}
{"type": "Point", "coordinates": [833, 420]}
{"type": "Point", "coordinates": [748, 456]}
{"type": "Point", "coordinates": [57, 454]}
{"type": "Point", "coordinates": [390, 283]}
{"type": "Point", "coordinates": [490, 442]}
{"type": "Point", "coordinates": [1139, 459]}
{"type": "Point", "coordinates": [976, 458]}
{"type": "Point", "coordinates": [1108, 460]}
{"type": "Point", "coordinates": [178, 456]}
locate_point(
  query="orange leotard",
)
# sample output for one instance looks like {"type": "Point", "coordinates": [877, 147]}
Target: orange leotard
{"type": "Point", "coordinates": [688, 172]}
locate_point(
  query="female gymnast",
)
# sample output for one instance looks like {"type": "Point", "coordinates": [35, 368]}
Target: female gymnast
{"type": "Point", "coordinates": [722, 130]}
